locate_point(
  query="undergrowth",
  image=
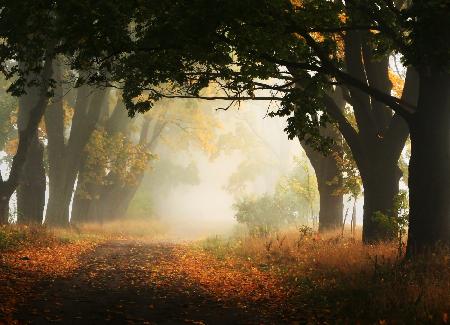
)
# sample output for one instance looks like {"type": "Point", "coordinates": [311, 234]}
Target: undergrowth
{"type": "Point", "coordinates": [329, 278]}
{"type": "Point", "coordinates": [13, 236]}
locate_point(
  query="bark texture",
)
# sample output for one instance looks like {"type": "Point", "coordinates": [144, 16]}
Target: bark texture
{"type": "Point", "coordinates": [31, 191]}
{"type": "Point", "coordinates": [429, 168]}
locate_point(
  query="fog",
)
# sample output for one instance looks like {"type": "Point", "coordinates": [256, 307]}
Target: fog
{"type": "Point", "coordinates": [204, 207]}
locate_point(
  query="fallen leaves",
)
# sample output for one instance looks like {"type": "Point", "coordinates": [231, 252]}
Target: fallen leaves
{"type": "Point", "coordinates": [230, 279]}
{"type": "Point", "coordinates": [57, 260]}
{"type": "Point", "coordinates": [42, 257]}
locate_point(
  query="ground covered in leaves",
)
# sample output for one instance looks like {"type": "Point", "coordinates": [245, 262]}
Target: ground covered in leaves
{"type": "Point", "coordinates": [291, 278]}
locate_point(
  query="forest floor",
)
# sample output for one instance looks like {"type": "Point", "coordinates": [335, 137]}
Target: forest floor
{"type": "Point", "coordinates": [277, 280]}
{"type": "Point", "coordinates": [121, 282]}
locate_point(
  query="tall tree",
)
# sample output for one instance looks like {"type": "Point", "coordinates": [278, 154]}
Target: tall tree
{"type": "Point", "coordinates": [65, 155]}
{"type": "Point", "coordinates": [104, 196]}
{"type": "Point", "coordinates": [31, 191]}
{"type": "Point", "coordinates": [27, 129]}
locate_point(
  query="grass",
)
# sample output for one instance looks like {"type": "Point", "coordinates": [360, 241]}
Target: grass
{"type": "Point", "coordinates": [13, 237]}
{"type": "Point", "coordinates": [128, 228]}
{"type": "Point", "coordinates": [333, 279]}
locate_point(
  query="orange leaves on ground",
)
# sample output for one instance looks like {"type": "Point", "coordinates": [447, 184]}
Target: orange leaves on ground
{"type": "Point", "coordinates": [228, 279]}
{"type": "Point", "coordinates": [57, 260]}
{"type": "Point", "coordinates": [29, 255]}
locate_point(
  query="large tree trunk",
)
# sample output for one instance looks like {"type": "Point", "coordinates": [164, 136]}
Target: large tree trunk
{"type": "Point", "coordinates": [27, 128]}
{"type": "Point", "coordinates": [381, 187]}
{"type": "Point", "coordinates": [429, 167]}
{"type": "Point", "coordinates": [378, 141]}
{"type": "Point", "coordinates": [331, 201]}
{"type": "Point", "coordinates": [31, 191]}
{"type": "Point", "coordinates": [329, 182]}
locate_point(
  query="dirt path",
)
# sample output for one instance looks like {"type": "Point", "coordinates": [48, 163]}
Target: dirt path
{"type": "Point", "coordinates": [119, 283]}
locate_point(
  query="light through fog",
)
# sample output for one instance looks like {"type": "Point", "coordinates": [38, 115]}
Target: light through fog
{"type": "Point", "coordinates": [205, 208]}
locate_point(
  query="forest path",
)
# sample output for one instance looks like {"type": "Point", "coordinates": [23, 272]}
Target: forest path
{"type": "Point", "coordinates": [119, 283]}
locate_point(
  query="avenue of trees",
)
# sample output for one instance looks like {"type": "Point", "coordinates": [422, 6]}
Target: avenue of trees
{"type": "Point", "coordinates": [326, 64]}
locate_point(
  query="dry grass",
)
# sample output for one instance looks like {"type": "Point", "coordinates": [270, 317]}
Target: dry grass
{"type": "Point", "coordinates": [332, 278]}
{"type": "Point", "coordinates": [128, 228]}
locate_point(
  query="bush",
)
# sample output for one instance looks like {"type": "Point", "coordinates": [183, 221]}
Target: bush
{"type": "Point", "coordinates": [266, 214]}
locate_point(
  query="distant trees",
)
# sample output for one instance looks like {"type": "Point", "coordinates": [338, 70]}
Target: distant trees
{"type": "Point", "coordinates": [114, 170]}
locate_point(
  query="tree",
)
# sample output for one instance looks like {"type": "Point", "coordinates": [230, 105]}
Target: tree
{"type": "Point", "coordinates": [31, 191]}
{"type": "Point", "coordinates": [329, 182]}
{"type": "Point", "coordinates": [112, 170]}
{"type": "Point", "coordinates": [328, 172]}
{"type": "Point", "coordinates": [115, 164]}
{"type": "Point", "coordinates": [27, 130]}
{"type": "Point", "coordinates": [65, 155]}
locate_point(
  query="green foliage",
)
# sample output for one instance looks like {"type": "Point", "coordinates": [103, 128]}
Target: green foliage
{"type": "Point", "coordinates": [263, 215]}
{"type": "Point", "coordinates": [157, 49]}
{"type": "Point", "coordinates": [113, 155]}
{"type": "Point", "coordinates": [351, 182]}
{"type": "Point", "coordinates": [293, 202]}
{"type": "Point", "coordinates": [397, 223]}
{"type": "Point", "coordinates": [401, 206]}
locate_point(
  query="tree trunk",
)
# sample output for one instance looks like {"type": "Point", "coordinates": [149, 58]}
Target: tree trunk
{"type": "Point", "coordinates": [329, 182]}
{"type": "Point", "coordinates": [31, 191]}
{"type": "Point", "coordinates": [381, 186]}
{"type": "Point", "coordinates": [85, 201]}
{"type": "Point", "coordinates": [4, 204]}
{"type": "Point", "coordinates": [65, 159]}
{"type": "Point", "coordinates": [28, 124]}
{"type": "Point", "coordinates": [429, 167]}
{"type": "Point", "coordinates": [116, 199]}
{"type": "Point", "coordinates": [58, 205]}
{"type": "Point", "coordinates": [331, 202]}
{"type": "Point", "coordinates": [32, 183]}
